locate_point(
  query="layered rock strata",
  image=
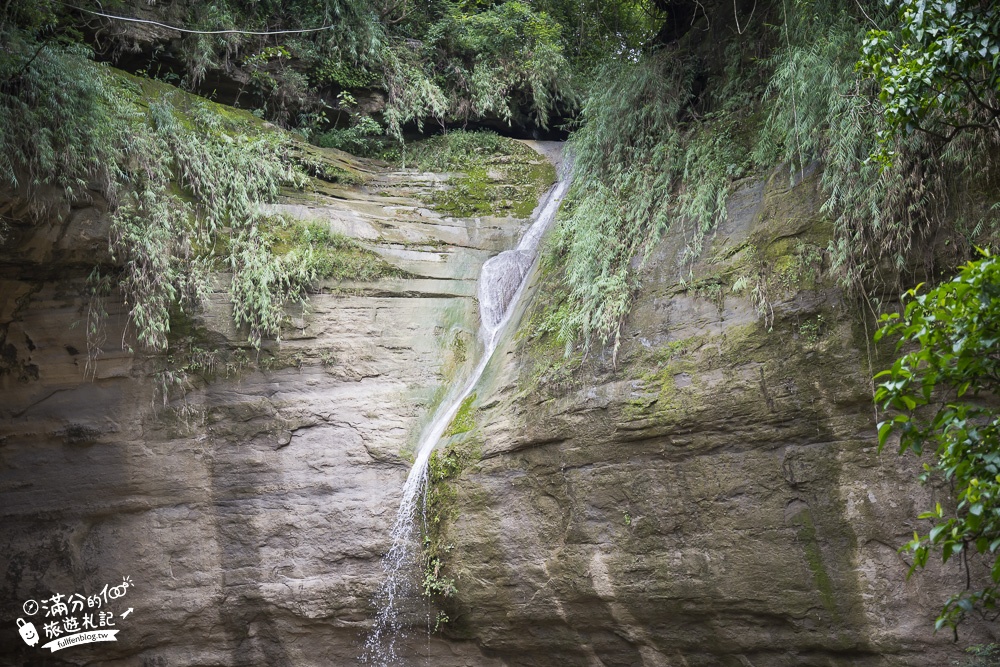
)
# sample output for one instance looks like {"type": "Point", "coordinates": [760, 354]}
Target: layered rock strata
{"type": "Point", "coordinates": [250, 508]}
{"type": "Point", "coordinates": [710, 494]}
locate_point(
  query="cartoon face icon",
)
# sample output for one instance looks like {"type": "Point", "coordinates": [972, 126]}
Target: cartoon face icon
{"type": "Point", "coordinates": [28, 632]}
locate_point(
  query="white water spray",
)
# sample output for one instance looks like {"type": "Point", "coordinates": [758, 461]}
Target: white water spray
{"type": "Point", "coordinates": [501, 283]}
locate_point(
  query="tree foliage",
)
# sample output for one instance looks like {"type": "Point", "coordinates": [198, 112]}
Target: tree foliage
{"type": "Point", "coordinates": [942, 393]}
{"type": "Point", "coordinates": [937, 70]}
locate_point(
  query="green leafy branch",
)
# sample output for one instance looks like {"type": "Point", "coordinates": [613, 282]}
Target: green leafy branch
{"type": "Point", "coordinates": [941, 395]}
{"type": "Point", "coordinates": [938, 72]}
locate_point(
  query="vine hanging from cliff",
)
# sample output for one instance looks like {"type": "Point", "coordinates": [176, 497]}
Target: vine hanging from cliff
{"type": "Point", "coordinates": [186, 181]}
{"type": "Point", "coordinates": [665, 136]}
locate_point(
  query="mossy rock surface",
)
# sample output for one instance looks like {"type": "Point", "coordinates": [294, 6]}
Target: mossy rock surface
{"type": "Point", "coordinates": [491, 175]}
{"type": "Point", "coordinates": [718, 475]}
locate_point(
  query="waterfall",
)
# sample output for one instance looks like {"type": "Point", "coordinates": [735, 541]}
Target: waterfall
{"type": "Point", "coordinates": [501, 283]}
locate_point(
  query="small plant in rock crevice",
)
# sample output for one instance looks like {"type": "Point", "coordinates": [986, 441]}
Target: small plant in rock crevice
{"type": "Point", "coordinates": [754, 282]}
{"type": "Point", "coordinates": [444, 466]}
{"type": "Point", "coordinates": [812, 329]}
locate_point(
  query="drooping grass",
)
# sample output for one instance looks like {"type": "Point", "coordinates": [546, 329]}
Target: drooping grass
{"type": "Point", "coordinates": [326, 254]}
{"type": "Point", "coordinates": [653, 155]}
{"type": "Point", "coordinates": [186, 180]}
{"type": "Point", "coordinates": [822, 110]}
{"type": "Point", "coordinates": [639, 169]}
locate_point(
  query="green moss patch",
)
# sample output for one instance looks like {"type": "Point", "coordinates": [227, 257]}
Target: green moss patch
{"type": "Point", "coordinates": [465, 418]}
{"type": "Point", "coordinates": [328, 254]}
{"type": "Point", "coordinates": [496, 175]}
{"type": "Point", "coordinates": [444, 466]}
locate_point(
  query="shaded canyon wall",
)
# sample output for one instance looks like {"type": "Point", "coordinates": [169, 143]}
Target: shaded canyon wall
{"type": "Point", "coordinates": [710, 495]}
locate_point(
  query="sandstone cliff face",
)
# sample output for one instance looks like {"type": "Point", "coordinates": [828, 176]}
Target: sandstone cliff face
{"type": "Point", "coordinates": [711, 496]}
{"type": "Point", "coordinates": [252, 511]}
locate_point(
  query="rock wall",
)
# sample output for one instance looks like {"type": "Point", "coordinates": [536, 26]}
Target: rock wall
{"type": "Point", "coordinates": [251, 510]}
{"type": "Point", "coordinates": [710, 495]}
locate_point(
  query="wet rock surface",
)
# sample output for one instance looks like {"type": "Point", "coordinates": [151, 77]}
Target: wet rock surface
{"type": "Point", "coordinates": [712, 495]}
{"type": "Point", "coordinates": [709, 495]}
{"type": "Point", "coordinates": [250, 509]}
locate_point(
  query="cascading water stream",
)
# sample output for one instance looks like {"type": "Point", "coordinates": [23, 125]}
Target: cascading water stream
{"type": "Point", "coordinates": [501, 283]}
